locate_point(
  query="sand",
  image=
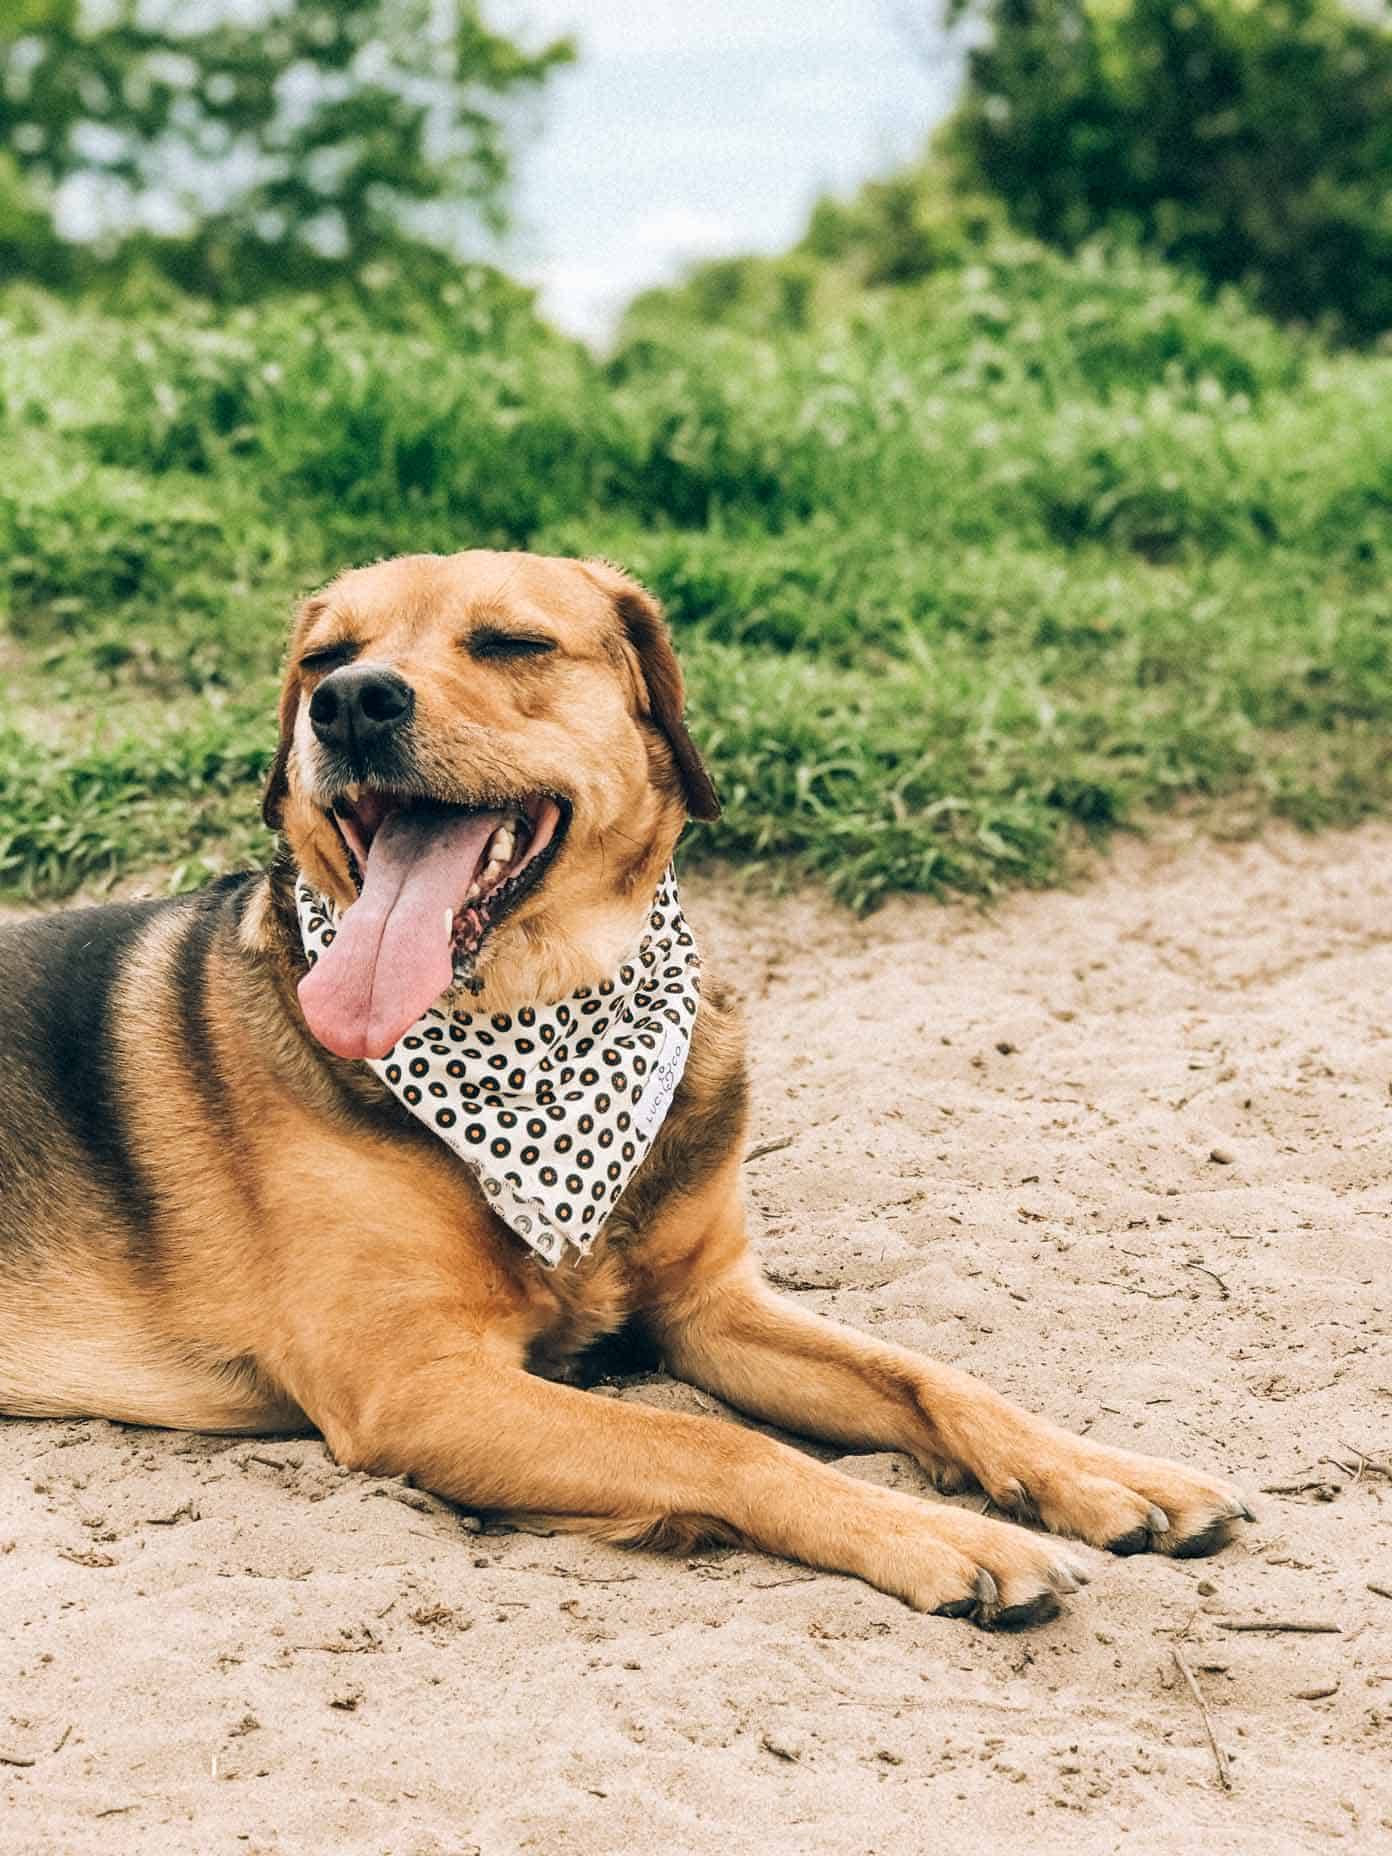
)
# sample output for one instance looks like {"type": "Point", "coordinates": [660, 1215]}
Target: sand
{"type": "Point", "coordinates": [1000, 1138]}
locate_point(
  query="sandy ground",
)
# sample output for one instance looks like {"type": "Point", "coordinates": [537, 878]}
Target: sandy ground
{"type": "Point", "coordinates": [999, 1141]}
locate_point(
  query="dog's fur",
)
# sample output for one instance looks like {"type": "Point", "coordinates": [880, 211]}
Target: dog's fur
{"type": "Point", "coordinates": [207, 1221]}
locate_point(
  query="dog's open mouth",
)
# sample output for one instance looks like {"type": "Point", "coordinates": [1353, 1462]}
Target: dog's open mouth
{"type": "Point", "coordinates": [434, 880]}
{"type": "Point", "coordinates": [516, 839]}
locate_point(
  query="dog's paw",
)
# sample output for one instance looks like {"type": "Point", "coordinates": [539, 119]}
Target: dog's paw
{"type": "Point", "coordinates": [960, 1565]}
{"type": "Point", "coordinates": [1191, 1515]}
{"type": "Point", "coordinates": [1120, 1501]}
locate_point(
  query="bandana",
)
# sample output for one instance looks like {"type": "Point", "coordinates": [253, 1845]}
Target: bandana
{"type": "Point", "coordinates": [551, 1107]}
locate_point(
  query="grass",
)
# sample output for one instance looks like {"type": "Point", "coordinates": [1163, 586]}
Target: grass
{"type": "Point", "coordinates": [961, 571]}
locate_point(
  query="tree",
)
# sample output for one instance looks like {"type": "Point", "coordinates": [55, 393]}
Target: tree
{"type": "Point", "coordinates": [239, 151]}
{"type": "Point", "coordinates": [1251, 139]}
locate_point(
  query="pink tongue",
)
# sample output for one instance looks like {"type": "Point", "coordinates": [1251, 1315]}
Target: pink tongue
{"type": "Point", "coordinates": [392, 958]}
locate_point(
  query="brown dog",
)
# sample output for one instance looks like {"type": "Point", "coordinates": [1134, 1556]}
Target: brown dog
{"type": "Point", "coordinates": [209, 1219]}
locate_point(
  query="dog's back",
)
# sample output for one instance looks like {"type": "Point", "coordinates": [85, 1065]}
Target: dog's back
{"type": "Point", "coordinates": [88, 998]}
{"type": "Point", "coordinates": [66, 1167]}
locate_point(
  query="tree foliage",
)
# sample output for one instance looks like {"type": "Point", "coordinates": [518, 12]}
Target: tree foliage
{"type": "Point", "coordinates": [240, 149]}
{"type": "Point", "coordinates": [1251, 139]}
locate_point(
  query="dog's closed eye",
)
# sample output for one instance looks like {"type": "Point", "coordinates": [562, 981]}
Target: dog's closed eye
{"type": "Point", "coordinates": [331, 656]}
{"type": "Point", "coordinates": [493, 646]}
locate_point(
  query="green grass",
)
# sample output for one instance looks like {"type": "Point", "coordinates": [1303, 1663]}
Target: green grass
{"type": "Point", "coordinates": [962, 573]}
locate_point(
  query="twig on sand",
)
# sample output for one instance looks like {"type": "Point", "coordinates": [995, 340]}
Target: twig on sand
{"type": "Point", "coordinates": [1300, 1626]}
{"type": "Point", "coordinates": [1220, 1758]}
{"type": "Point", "coordinates": [1131, 1288]}
{"type": "Point", "coordinates": [795, 1283]}
{"type": "Point", "coordinates": [23, 1759]}
{"type": "Point", "coordinates": [1184, 1629]}
{"type": "Point", "coordinates": [1348, 1469]}
{"type": "Point", "coordinates": [589, 1578]}
{"type": "Point", "coordinates": [1367, 1462]}
{"type": "Point", "coordinates": [769, 1147]}
{"type": "Point", "coordinates": [1323, 1490]}
{"type": "Point", "coordinates": [1222, 1286]}
{"type": "Point", "coordinates": [1383, 1591]}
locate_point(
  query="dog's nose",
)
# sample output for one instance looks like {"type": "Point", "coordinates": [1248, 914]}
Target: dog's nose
{"type": "Point", "coordinates": [355, 709]}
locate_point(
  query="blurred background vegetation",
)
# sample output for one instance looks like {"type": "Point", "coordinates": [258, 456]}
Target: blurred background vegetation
{"type": "Point", "coordinates": [1040, 485]}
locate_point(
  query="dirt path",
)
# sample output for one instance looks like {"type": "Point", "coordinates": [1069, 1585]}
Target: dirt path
{"type": "Point", "coordinates": [1000, 1148]}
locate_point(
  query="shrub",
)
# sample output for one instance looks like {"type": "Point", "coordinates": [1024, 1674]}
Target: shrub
{"type": "Point", "coordinates": [1252, 142]}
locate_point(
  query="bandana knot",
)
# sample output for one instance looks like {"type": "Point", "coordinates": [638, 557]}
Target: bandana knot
{"type": "Point", "coordinates": [552, 1107]}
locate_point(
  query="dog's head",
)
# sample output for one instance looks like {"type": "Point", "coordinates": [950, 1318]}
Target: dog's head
{"type": "Point", "coordinates": [483, 761]}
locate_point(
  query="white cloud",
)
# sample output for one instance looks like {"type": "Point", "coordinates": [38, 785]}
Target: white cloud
{"type": "Point", "coordinates": [630, 27]}
{"type": "Point", "coordinates": [688, 131]}
{"type": "Point", "coordinates": [682, 231]}
{"type": "Point", "coordinates": [587, 296]}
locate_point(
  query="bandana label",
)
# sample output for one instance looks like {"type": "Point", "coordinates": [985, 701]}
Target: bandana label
{"type": "Point", "coordinates": [553, 1106]}
{"type": "Point", "coordinates": [669, 1060]}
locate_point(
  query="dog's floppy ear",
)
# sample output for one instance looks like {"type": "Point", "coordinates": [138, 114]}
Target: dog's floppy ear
{"type": "Point", "coordinates": [645, 630]}
{"type": "Point", "coordinates": [278, 779]}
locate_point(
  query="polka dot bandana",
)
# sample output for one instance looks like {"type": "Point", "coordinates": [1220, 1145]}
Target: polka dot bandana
{"type": "Point", "coordinates": [552, 1107]}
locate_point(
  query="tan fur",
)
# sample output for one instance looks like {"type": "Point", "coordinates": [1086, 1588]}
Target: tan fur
{"type": "Point", "coordinates": [312, 1255]}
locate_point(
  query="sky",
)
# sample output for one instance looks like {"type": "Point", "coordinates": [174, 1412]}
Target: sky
{"type": "Point", "coordinates": [690, 130]}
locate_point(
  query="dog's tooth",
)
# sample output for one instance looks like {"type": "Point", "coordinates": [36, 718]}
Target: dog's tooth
{"type": "Point", "coordinates": [502, 845]}
{"type": "Point", "coordinates": [491, 872]}
{"type": "Point", "coordinates": [449, 924]}
{"type": "Point", "coordinates": [471, 892]}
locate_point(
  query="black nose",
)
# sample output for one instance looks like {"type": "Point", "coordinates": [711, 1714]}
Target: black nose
{"type": "Point", "coordinates": [357, 708]}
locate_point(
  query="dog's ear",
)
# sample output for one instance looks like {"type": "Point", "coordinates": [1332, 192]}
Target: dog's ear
{"type": "Point", "coordinates": [645, 631]}
{"type": "Point", "coordinates": [278, 779]}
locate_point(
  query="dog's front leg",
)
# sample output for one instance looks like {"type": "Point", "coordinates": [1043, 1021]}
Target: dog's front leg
{"type": "Point", "coordinates": [490, 1436]}
{"type": "Point", "coordinates": [720, 1326]}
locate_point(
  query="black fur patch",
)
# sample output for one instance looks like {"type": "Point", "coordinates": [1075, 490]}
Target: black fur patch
{"type": "Point", "coordinates": [189, 973]}
{"type": "Point", "coordinates": [61, 1101]}
{"type": "Point", "coordinates": [217, 908]}
{"type": "Point", "coordinates": [58, 974]}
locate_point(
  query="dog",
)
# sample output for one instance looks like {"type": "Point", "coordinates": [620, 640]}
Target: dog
{"type": "Point", "coordinates": [219, 1210]}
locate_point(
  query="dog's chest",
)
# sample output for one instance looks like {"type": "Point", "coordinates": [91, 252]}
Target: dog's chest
{"type": "Point", "coordinates": [579, 1315]}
